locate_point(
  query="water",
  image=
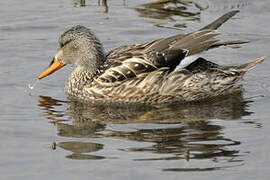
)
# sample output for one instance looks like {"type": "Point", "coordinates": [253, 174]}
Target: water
{"type": "Point", "coordinates": [44, 135]}
{"type": "Point", "coordinates": [32, 86]}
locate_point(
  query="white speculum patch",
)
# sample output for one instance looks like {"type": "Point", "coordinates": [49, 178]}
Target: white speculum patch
{"type": "Point", "coordinates": [187, 61]}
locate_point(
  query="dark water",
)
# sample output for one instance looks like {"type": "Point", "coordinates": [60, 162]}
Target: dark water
{"type": "Point", "coordinates": [44, 135]}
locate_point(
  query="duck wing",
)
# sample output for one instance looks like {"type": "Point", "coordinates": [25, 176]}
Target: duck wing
{"type": "Point", "coordinates": [130, 61]}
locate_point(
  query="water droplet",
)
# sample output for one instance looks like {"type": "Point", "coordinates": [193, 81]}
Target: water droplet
{"type": "Point", "coordinates": [31, 86]}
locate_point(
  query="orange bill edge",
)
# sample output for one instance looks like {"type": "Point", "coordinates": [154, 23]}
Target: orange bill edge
{"type": "Point", "coordinates": [54, 67]}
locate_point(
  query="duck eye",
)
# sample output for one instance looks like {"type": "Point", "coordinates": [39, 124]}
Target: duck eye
{"type": "Point", "coordinates": [62, 44]}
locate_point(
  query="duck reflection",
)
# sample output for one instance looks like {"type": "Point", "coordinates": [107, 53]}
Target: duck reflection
{"type": "Point", "coordinates": [170, 9]}
{"type": "Point", "coordinates": [188, 10]}
{"type": "Point", "coordinates": [80, 149]}
{"type": "Point", "coordinates": [81, 3]}
{"type": "Point", "coordinates": [179, 131]}
{"type": "Point", "coordinates": [105, 5]}
{"type": "Point", "coordinates": [76, 3]}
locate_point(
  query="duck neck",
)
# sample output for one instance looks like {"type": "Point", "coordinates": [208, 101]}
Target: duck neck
{"type": "Point", "coordinates": [92, 57]}
{"type": "Point", "coordinates": [77, 80]}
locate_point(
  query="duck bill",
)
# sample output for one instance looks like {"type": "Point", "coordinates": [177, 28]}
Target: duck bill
{"type": "Point", "coordinates": [54, 67]}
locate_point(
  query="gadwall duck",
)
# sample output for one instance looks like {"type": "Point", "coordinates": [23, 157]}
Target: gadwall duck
{"type": "Point", "coordinates": [162, 71]}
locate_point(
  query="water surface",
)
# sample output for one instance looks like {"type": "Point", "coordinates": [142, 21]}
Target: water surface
{"type": "Point", "coordinates": [44, 135]}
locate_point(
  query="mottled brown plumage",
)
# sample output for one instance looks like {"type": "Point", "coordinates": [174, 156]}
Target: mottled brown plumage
{"type": "Point", "coordinates": [147, 73]}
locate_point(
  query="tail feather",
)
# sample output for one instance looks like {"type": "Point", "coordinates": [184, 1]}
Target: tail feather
{"type": "Point", "coordinates": [189, 44]}
{"type": "Point", "coordinates": [193, 39]}
{"type": "Point", "coordinates": [163, 44]}
{"type": "Point", "coordinates": [217, 23]}
{"type": "Point", "coordinates": [229, 42]}
{"type": "Point", "coordinates": [243, 68]}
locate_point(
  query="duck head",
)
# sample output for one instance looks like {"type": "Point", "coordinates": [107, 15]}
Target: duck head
{"type": "Point", "coordinates": [77, 46]}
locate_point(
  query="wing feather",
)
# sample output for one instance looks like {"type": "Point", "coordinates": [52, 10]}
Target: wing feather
{"type": "Point", "coordinates": [130, 61]}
